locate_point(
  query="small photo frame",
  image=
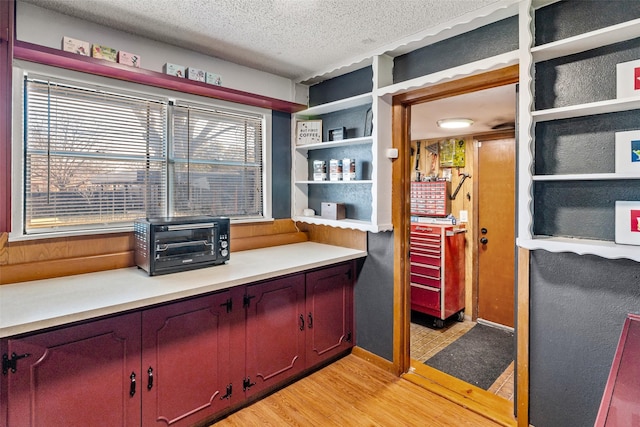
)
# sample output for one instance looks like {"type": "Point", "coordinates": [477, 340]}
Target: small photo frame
{"type": "Point", "coordinates": [627, 223]}
{"type": "Point", "coordinates": [308, 132]}
{"type": "Point", "coordinates": [628, 152]}
{"type": "Point", "coordinates": [337, 134]}
{"type": "Point", "coordinates": [628, 79]}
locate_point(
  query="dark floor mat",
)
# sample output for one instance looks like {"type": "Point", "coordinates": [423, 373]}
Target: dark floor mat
{"type": "Point", "coordinates": [478, 357]}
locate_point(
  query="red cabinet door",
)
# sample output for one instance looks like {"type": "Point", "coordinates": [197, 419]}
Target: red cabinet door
{"type": "Point", "coordinates": [185, 359]}
{"type": "Point", "coordinates": [77, 376]}
{"type": "Point", "coordinates": [275, 332]}
{"type": "Point", "coordinates": [329, 313]}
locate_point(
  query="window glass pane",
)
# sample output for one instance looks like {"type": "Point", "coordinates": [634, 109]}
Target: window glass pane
{"type": "Point", "coordinates": [92, 157]}
{"type": "Point", "coordinates": [216, 163]}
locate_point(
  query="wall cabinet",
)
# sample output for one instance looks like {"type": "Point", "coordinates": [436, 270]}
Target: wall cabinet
{"type": "Point", "coordinates": [571, 207]}
{"type": "Point", "coordinates": [180, 363]}
{"type": "Point", "coordinates": [437, 271]}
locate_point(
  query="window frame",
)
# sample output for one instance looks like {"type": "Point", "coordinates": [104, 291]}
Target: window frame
{"type": "Point", "coordinates": [22, 68]}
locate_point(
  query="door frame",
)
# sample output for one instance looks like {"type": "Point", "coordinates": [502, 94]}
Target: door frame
{"type": "Point", "coordinates": [401, 181]}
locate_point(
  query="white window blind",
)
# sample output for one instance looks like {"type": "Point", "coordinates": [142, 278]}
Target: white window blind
{"type": "Point", "coordinates": [216, 162]}
{"type": "Point", "coordinates": [93, 159]}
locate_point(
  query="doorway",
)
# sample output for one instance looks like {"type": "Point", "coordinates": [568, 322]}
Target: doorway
{"type": "Point", "coordinates": [402, 176]}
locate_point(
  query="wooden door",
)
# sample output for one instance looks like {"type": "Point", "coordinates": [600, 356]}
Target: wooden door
{"type": "Point", "coordinates": [84, 375]}
{"type": "Point", "coordinates": [329, 313]}
{"type": "Point", "coordinates": [275, 337]}
{"type": "Point", "coordinates": [185, 361]}
{"type": "Point", "coordinates": [496, 225]}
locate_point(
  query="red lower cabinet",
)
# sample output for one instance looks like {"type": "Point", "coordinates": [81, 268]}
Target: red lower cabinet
{"type": "Point", "coordinates": [77, 376]}
{"type": "Point", "coordinates": [181, 363]}
{"type": "Point", "coordinates": [329, 313]}
{"type": "Point", "coordinates": [185, 361]}
{"type": "Point", "coordinates": [275, 332]}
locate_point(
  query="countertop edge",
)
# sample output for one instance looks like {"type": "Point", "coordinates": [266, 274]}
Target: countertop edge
{"type": "Point", "coordinates": [324, 258]}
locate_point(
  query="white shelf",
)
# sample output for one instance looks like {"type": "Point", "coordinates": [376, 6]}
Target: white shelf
{"type": "Point", "coordinates": [584, 177]}
{"type": "Point", "coordinates": [332, 144]}
{"type": "Point", "coordinates": [343, 104]}
{"type": "Point", "coordinates": [591, 40]}
{"type": "Point", "coordinates": [374, 192]}
{"type": "Point", "coordinates": [602, 248]}
{"type": "Point", "coordinates": [362, 181]}
{"type": "Point", "coordinates": [352, 224]}
{"type": "Point", "coordinates": [592, 108]}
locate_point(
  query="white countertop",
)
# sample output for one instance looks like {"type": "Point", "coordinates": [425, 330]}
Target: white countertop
{"type": "Point", "coordinates": [31, 306]}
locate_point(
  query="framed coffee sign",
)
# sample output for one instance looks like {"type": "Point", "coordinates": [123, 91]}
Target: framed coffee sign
{"type": "Point", "coordinates": [308, 132]}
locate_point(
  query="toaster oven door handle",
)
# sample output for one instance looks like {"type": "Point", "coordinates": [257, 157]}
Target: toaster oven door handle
{"type": "Point", "coordinates": [164, 247]}
{"type": "Point", "coordinates": [190, 226]}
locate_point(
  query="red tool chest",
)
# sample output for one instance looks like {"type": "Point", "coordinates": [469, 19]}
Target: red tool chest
{"type": "Point", "coordinates": [437, 270]}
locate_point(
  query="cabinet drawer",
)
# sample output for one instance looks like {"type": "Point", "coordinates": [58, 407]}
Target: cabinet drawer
{"type": "Point", "coordinates": [425, 297]}
{"type": "Point", "coordinates": [425, 280]}
{"type": "Point", "coordinates": [425, 270]}
{"type": "Point", "coordinates": [425, 246]}
{"type": "Point", "coordinates": [425, 258]}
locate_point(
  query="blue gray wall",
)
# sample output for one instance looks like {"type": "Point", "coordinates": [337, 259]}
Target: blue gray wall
{"type": "Point", "coordinates": [281, 164]}
{"type": "Point", "coordinates": [578, 303]}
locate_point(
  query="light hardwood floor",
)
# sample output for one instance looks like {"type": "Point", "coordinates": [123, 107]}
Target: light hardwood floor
{"type": "Point", "coordinates": [354, 392]}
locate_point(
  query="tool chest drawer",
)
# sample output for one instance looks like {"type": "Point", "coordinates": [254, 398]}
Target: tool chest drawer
{"type": "Point", "coordinates": [425, 300]}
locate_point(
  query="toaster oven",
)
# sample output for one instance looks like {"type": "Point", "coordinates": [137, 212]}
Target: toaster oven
{"type": "Point", "coordinates": [171, 244]}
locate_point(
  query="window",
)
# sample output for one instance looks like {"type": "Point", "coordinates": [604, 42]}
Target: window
{"type": "Point", "coordinates": [97, 157]}
{"type": "Point", "coordinates": [216, 162]}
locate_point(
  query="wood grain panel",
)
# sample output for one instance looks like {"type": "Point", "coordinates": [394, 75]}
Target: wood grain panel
{"type": "Point", "coordinates": [347, 238]}
{"type": "Point", "coordinates": [464, 394]}
{"type": "Point", "coordinates": [522, 350]}
{"type": "Point", "coordinates": [13, 273]}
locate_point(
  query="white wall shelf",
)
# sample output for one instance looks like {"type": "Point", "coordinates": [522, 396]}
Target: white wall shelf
{"type": "Point", "coordinates": [342, 104]}
{"type": "Point", "coordinates": [584, 177]}
{"type": "Point", "coordinates": [362, 181]}
{"type": "Point", "coordinates": [559, 49]}
{"type": "Point", "coordinates": [583, 42]}
{"type": "Point", "coordinates": [331, 144]}
{"type": "Point", "coordinates": [588, 109]}
{"type": "Point", "coordinates": [376, 189]}
{"type": "Point", "coordinates": [344, 223]}
{"type": "Point", "coordinates": [603, 248]}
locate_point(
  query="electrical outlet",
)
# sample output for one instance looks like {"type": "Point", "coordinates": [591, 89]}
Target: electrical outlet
{"type": "Point", "coordinates": [464, 216]}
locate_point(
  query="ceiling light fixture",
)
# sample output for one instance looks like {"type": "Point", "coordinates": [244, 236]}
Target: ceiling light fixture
{"type": "Point", "coordinates": [454, 123]}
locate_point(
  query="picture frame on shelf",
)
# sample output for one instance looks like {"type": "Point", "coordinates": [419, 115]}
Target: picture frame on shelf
{"type": "Point", "coordinates": [308, 132]}
{"type": "Point", "coordinates": [337, 134]}
{"type": "Point", "coordinates": [628, 152]}
{"type": "Point", "coordinates": [627, 222]}
{"type": "Point", "coordinates": [628, 79]}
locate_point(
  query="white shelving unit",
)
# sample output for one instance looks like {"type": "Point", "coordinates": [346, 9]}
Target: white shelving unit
{"type": "Point", "coordinates": [580, 43]}
{"type": "Point", "coordinates": [375, 187]}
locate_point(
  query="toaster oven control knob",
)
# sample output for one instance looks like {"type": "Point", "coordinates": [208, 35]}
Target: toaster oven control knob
{"type": "Point", "coordinates": [224, 244]}
{"type": "Point", "coordinates": [224, 252]}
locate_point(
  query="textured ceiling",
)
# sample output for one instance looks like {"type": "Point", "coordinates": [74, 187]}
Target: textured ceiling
{"type": "Point", "coordinates": [296, 39]}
